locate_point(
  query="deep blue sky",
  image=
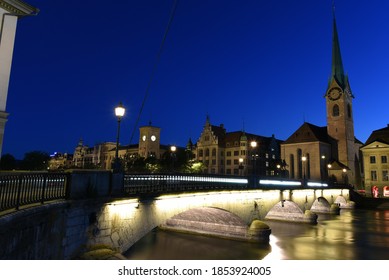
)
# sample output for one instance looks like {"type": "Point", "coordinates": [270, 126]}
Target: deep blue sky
{"type": "Point", "coordinates": [264, 64]}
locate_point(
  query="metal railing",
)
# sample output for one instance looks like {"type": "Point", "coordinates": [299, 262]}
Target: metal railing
{"type": "Point", "coordinates": [19, 189]}
{"type": "Point", "coordinates": [166, 183]}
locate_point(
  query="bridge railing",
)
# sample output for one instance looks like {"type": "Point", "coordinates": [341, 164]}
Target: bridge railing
{"type": "Point", "coordinates": [165, 183]}
{"type": "Point", "coordinates": [19, 189]}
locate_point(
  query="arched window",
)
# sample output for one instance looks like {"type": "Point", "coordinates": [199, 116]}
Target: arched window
{"type": "Point", "coordinates": [214, 152]}
{"type": "Point", "coordinates": [207, 152]}
{"type": "Point", "coordinates": [200, 153]}
{"type": "Point", "coordinates": [335, 110]}
{"type": "Point", "coordinates": [292, 175]}
{"type": "Point", "coordinates": [299, 164]}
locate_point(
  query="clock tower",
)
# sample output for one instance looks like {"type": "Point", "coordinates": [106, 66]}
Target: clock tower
{"type": "Point", "coordinates": [340, 122]}
{"type": "Point", "coordinates": [149, 141]}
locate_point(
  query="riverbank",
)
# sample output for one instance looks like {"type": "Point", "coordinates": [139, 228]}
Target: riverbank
{"type": "Point", "coordinates": [364, 202]}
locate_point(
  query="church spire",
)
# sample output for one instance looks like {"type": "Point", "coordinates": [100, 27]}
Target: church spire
{"type": "Point", "coordinates": [337, 71]}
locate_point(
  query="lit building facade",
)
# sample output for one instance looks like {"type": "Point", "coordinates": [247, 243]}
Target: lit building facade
{"type": "Point", "coordinates": [237, 153]}
{"type": "Point", "coordinates": [375, 161]}
{"type": "Point", "coordinates": [102, 155]}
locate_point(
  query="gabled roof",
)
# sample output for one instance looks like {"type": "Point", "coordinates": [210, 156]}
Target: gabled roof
{"type": "Point", "coordinates": [380, 135]}
{"type": "Point", "coordinates": [309, 133]}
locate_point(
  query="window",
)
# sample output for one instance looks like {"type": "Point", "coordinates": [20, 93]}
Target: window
{"type": "Point", "coordinates": [384, 159]}
{"type": "Point", "coordinates": [236, 143]}
{"type": "Point", "coordinates": [228, 154]}
{"type": "Point", "coordinates": [236, 171]}
{"type": "Point", "coordinates": [373, 174]}
{"type": "Point", "coordinates": [236, 153]}
{"type": "Point", "coordinates": [228, 171]}
{"type": "Point", "coordinates": [236, 161]}
{"type": "Point", "coordinates": [243, 152]}
{"type": "Point", "coordinates": [385, 175]}
{"type": "Point", "coordinates": [207, 152]}
{"type": "Point", "coordinates": [372, 159]}
{"type": "Point", "coordinates": [228, 162]}
{"type": "Point", "coordinates": [200, 153]}
{"type": "Point", "coordinates": [213, 152]}
{"type": "Point", "coordinates": [214, 162]}
{"type": "Point", "coordinates": [335, 110]}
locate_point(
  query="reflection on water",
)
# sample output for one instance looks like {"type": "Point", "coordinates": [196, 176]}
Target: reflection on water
{"type": "Point", "coordinates": [354, 234]}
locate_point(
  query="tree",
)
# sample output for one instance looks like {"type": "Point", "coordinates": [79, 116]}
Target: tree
{"type": "Point", "coordinates": [35, 160]}
{"type": "Point", "coordinates": [8, 162]}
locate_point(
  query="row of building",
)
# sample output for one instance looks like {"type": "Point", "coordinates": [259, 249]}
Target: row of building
{"type": "Point", "coordinates": [321, 153]}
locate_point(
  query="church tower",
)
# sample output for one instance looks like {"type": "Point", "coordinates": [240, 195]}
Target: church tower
{"type": "Point", "coordinates": [340, 122]}
{"type": "Point", "coordinates": [149, 141]}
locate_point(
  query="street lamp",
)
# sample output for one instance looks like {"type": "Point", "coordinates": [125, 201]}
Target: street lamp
{"type": "Point", "coordinates": [344, 176]}
{"type": "Point", "coordinates": [254, 155]}
{"type": "Point", "coordinates": [241, 166]}
{"type": "Point", "coordinates": [304, 159]}
{"type": "Point", "coordinates": [173, 149]}
{"type": "Point", "coordinates": [119, 112]}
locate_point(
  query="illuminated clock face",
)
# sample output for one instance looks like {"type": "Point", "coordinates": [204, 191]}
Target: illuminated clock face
{"type": "Point", "coordinates": [334, 93]}
{"type": "Point", "coordinates": [153, 138]}
{"type": "Point", "coordinates": [144, 137]}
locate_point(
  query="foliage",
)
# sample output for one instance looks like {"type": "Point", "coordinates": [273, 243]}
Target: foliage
{"type": "Point", "coordinates": [8, 162]}
{"type": "Point", "coordinates": [35, 160]}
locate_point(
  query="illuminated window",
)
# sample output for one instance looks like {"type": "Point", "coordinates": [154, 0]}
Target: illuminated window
{"type": "Point", "coordinates": [335, 110]}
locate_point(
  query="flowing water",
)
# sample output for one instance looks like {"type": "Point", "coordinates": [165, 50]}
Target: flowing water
{"type": "Point", "coordinates": [352, 235]}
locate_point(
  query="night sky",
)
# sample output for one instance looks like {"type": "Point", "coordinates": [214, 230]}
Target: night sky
{"type": "Point", "coordinates": [258, 65]}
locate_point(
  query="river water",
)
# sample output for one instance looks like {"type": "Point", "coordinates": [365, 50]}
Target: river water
{"type": "Point", "coordinates": [352, 235]}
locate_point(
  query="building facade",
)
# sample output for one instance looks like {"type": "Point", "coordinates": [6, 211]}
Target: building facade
{"type": "Point", "coordinates": [102, 155]}
{"type": "Point", "coordinates": [330, 152]}
{"type": "Point", "coordinates": [375, 161]}
{"type": "Point", "coordinates": [10, 12]}
{"type": "Point", "coordinates": [237, 153]}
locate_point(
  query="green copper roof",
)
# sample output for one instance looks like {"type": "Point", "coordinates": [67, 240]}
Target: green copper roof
{"type": "Point", "coordinates": [337, 65]}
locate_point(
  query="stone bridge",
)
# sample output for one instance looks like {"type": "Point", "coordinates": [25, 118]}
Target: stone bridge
{"type": "Point", "coordinates": [64, 229]}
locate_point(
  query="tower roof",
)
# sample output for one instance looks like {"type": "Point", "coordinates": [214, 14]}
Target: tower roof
{"type": "Point", "coordinates": [337, 71]}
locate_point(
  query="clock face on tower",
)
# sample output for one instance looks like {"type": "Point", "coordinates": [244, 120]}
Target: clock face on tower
{"type": "Point", "coordinates": [153, 138]}
{"type": "Point", "coordinates": [334, 93]}
{"type": "Point", "coordinates": [144, 137]}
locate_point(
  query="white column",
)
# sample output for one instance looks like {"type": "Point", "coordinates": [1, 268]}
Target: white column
{"type": "Point", "coordinates": [7, 39]}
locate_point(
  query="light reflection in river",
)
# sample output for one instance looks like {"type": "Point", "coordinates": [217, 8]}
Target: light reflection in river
{"type": "Point", "coordinates": [352, 235]}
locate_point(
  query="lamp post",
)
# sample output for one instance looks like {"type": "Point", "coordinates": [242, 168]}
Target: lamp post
{"type": "Point", "coordinates": [253, 145]}
{"type": "Point", "coordinates": [119, 112]}
{"type": "Point", "coordinates": [344, 172]}
{"type": "Point", "coordinates": [241, 166]}
{"type": "Point", "coordinates": [173, 150]}
{"type": "Point", "coordinates": [304, 159]}
{"type": "Point", "coordinates": [329, 166]}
